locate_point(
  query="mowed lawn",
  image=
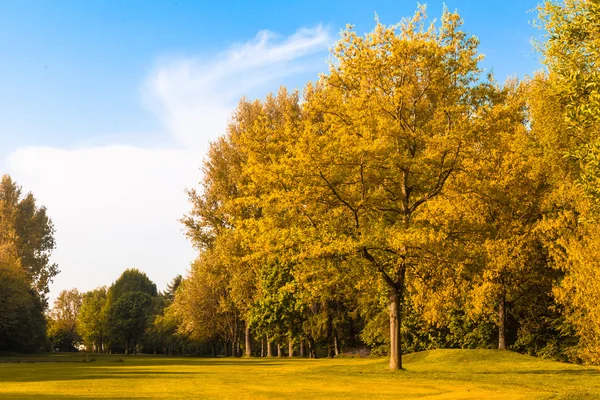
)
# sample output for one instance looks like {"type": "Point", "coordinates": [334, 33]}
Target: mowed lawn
{"type": "Point", "coordinates": [438, 374]}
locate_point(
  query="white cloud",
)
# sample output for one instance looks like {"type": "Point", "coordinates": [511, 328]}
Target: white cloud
{"type": "Point", "coordinates": [194, 94]}
{"type": "Point", "coordinates": [117, 207]}
{"type": "Point", "coordinates": [113, 208]}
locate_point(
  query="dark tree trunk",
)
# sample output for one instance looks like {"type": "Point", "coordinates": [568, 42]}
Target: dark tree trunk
{"type": "Point", "coordinates": [395, 336]}
{"type": "Point", "coordinates": [301, 348]}
{"type": "Point", "coordinates": [262, 347]}
{"type": "Point", "coordinates": [126, 347]}
{"type": "Point", "coordinates": [502, 321]}
{"type": "Point", "coordinates": [269, 348]}
{"type": "Point", "coordinates": [290, 347]}
{"type": "Point", "coordinates": [311, 347]}
{"type": "Point", "coordinates": [330, 351]}
{"type": "Point", "coordinates": [279, 354]}
{"type": "Point", "coordinates": [248, 342]}
{"type": "Point", "coordinates": [336, 343]}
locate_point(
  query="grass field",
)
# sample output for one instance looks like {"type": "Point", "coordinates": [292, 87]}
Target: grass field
{"type": "Point", "coordinates": [438, 374]}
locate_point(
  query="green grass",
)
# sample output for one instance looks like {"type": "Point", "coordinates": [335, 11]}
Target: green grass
{"type": "Point", "coordinates": [438, 374]}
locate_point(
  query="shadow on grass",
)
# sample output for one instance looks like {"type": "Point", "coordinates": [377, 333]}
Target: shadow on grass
{"type": "Point", "coordinates": [132, 368]}
{"type": "Point", "coordinates": [585, 372]}
{"type": "Point", "coordinates": [14, 395]}
{"type": "Point", "coordinates": [87, 374]}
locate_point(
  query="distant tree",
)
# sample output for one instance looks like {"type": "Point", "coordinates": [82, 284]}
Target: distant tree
{"type": "Point", "coordinates": [132, 280]}
{"type": "Point", "coordinates": [92, 319]}
{"type": "Point", "coordinates": [129, 318]}
{"type": "Point", "coordinates": [62, 329]}
{"type": "Point", "coordinates": [132, 302]}
{"type": "Point", "coordinates": [172, 287]}
{"type": "Point", "coordinates": [204, 304]}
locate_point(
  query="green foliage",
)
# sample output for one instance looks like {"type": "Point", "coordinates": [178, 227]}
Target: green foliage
{"type": "Point", "coordinates": [92, 319]}
{"type": "Point", "coordinates": [26, 240]}
{"type": "Point", "coordinates": [132, 280]}
{"type": "Point", "coordinates": [33, 234]}
{"type": "Point", "coordinates": [62, 326]}
{"type": "Point", "coordinates": [130, 316]}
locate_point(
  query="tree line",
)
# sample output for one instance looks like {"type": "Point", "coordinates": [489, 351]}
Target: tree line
{"type": "Point", "coordinates": [127, 317]}
{"type": "Point", "coordinates": [404, 201]}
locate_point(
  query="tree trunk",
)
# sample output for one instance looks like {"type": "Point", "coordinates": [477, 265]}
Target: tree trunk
{"type": "Point", "coordinates": [311, 347]}
{"type": "Point", "coordinates": [301, 348]}
{"type": "Point", "coordinates": [279, 354]}
{"type": "Point", "coordinates": [502, 321]}
{"type": "Point", "coordinates": [290, 347]}
{"type": "Point", "coordinates": [269, 348]}
{"type": "Point", "coordinates": [126, 347]}
{"type": "Point", "coordinates": [329, 334]}
{"type": "Point", "coordinates": [395, 337]}
{"type": "Point", "coordinates": [248, 342]}
{"type": "Point", "coordinates": [262, 347]}
{"type": "Point", "coordinates": [336, 343]}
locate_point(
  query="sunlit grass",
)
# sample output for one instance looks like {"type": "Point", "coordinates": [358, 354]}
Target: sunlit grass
{"type": "Point", "coordinates": [439, 374]}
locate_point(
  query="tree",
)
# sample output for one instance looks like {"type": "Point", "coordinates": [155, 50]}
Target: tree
{"type": "Point", "coordinates": [172, 287]}
{"type": "Point", "coordinates": [128, 310]}
{"type": "Point", "coordinates": [62, 329]}
{"type": "Point", "coordinates": [571, 53]}
{"type": "Point", "coordinates": [22, 324]}
{"type": "Point", "coordinates": [25, 242]}
{"type": "Point", "coordinates": [205, 307]}
{"type": "Point", "coordinates": [132, 280]}
{"type": "Point", "coordinates": [92, 319]}
{"type": "Point", "coordinates": [34, 235]}
{"type": "Point", "coordinates": [130, 316]}
{"type": "Point", "coordinates": [386, 129]}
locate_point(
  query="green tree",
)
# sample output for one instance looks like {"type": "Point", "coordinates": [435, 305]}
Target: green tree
{"type": "Point", "coordinates": [129, 318]}
{"type": "Point", "coordinates": [26, 239]}
{"type": "Point", "coordinates": [22, 324]}
{"type": "Point", "coordinates": [62, 328]}
{"type": "Point", "coordinates": [34, 234]}
{"type": "Point", "coordinates": [92, 319]}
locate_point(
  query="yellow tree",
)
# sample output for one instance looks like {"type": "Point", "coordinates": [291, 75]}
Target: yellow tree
{"type": "Point", "coordinates": [572, 87]}
{"type": "Point", "coordinates": [505, 187]}
{"type": "Point", "coordinates": [226, 213]}
{"type": "Point", "coordinates": [385, 131]}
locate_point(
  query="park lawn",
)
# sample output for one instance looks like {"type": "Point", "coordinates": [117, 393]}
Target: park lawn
{"type": "Point", "coordinates": [437, 374]}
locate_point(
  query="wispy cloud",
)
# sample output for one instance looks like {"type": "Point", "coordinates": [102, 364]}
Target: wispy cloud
{"type": "Point", "coordinates": [194, 96]}
{"type": "Point", "coordinates": [117, 206]}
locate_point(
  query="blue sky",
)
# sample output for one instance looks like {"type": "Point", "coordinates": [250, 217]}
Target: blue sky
{"type": "Point", "coordinates": [105, 97]}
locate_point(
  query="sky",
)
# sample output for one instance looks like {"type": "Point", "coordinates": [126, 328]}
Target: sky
{"type": "Point", "coordinates": [107, 107]}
